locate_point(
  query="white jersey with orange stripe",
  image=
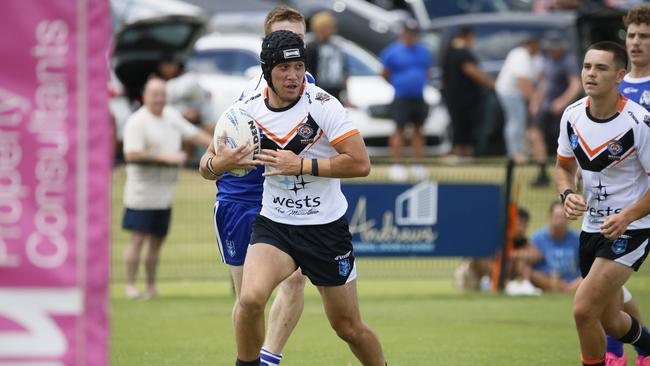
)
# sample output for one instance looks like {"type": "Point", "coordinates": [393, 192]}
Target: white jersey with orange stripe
{"type": "Point", "coordinates": [614, 156]}
{"type": "Point", "coordinates": [310, 127]}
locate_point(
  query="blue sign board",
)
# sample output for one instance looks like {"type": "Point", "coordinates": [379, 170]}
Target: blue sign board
{"type": "Point", "coordinates": [427, 219]}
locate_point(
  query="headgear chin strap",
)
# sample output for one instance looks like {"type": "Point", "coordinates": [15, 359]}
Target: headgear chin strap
{"type": "Point", "coordinates": [279, 47]}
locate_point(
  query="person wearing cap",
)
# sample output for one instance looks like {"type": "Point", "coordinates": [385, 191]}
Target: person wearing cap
{"type": "Point", "coordinates": [514, 87]}
{"type": "Point", "coordinates": [558, 87]}
{"type": "Point", "coordinates": [308, 143]}
{"type": "Point", "coordinates": [407, 65]}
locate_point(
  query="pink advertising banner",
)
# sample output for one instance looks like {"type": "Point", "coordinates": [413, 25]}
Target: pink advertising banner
{"type": "Point", "coordinates": [55, 168]}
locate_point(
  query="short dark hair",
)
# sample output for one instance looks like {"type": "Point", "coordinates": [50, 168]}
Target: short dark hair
{"type": "Point", "coordinates": [465, 31]}
{"type": "Point", "coordinates": [620, 56]}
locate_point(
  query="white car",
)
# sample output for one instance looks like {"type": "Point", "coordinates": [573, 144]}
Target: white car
{"type": "Point", "coordinates": [226, 62]}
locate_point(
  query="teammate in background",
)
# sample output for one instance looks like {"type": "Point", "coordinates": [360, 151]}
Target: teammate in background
{"type": "Point", "coordinates": [308, 143]}
{"type": "Point", "coordinates": [635, 86]}
{"type": "Point", "coordinates": [604, 134]}
{"type": "Point", "coordinates": [239, 200]}
{"type": "Point", "coordinates": [152, 150]}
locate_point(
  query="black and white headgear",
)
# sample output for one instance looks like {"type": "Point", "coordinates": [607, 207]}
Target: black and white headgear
{"type": "Point", "coordinates": [280, 47]}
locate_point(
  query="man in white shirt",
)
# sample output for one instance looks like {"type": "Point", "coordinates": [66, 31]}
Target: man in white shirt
{"type": "Point", "coordinates": [152, 151]}
{"type": "Point", "coordinates": [514, 87]}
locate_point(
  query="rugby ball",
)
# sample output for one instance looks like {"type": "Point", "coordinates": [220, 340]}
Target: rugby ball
{"type": "Point", "coordinates": [240, 129]}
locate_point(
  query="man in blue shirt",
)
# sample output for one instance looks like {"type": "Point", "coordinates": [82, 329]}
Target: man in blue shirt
{"type": "Point", "coordinates": [555, 253]}
{"type": "Point", "coordinates": [406, 66]}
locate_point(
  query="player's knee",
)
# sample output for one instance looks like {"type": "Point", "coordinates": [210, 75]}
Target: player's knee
{"type": "Point", "coordinates": [348, 330]}
{"type": "Point", "coordinates": [251, 303]}
{"type": "Point", "coordinates": [294, 284]}
{"type": "Point", "coordinates": [583, 313]}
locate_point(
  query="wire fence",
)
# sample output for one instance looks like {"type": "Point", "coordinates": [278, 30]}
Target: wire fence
{"type": "Point", "coordinates": [190, 251]}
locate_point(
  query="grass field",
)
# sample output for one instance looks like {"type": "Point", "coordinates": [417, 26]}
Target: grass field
{"type": "Point", "coordinates": [420, 322]}
{"type": "Point", "coordinates": [411, 302]}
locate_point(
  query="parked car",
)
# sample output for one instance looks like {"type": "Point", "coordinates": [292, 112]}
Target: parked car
{"type": "Point", "coordinates": [146, 31]}
{"type": "Point", "coordinates": [227, 61]}
{"type": "Point", "coordinates": [498, 33]}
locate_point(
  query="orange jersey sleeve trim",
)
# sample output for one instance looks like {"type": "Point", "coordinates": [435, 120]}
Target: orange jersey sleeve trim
{"type": "Point", "coordinates": [344, 136]}
{"type": "Point", "coordinates": [565, 158]}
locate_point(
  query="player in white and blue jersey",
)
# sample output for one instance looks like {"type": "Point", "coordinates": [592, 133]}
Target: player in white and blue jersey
{"type": "Point", "coordinates": [239, 200]}
{"type": "Point", "coordinates": [635, 86]}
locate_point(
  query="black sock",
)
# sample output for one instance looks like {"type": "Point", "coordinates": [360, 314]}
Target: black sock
{"type": "Point", "coordinates": [248, 363]}
{"type": "Point", "coordinates": [637, 336]}
{"type": "Point", "coordinates": [542, 170]}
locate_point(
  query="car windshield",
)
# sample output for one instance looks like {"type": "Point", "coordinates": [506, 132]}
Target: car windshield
{"type": "Point", "coordinates": [156, 36]}
{"type": "Point", "coordinates": [223, 61]}
{"type": "Point", "coordinates": [437, 8]}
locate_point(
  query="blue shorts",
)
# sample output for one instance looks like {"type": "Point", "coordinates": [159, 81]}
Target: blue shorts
{"type": "Point", "coordinates": [233, 224]}
{"type": "Point", "coordinates": [153, 222]}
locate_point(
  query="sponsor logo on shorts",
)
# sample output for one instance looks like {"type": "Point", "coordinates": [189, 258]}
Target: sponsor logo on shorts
{"type": "Point", "coordinates": [574, 141]}
{"type": "Point", "coordinates": [619, 246]}
{"type": "Point", "coordinates": [230, 247]}
{"type": "Point", "coordinates": [344, 267]}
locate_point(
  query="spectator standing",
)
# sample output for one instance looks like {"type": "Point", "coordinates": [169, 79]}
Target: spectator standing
{"type": "Point", "coordinates": [514, 87]}
{"type": "Point", "coordinates": [462, 86]}
{"type": "Point", "coordinates": [152, 151]}
{"type": "Point", "coordinates": [324, 57]}
{"type": "Point", "coordinates": [407, 64]}
{"type": "Point", "coordinates": [558, 87]}
{"type": "Point", "coordinates": [185, 94]}
{"type": "Point", "coordinates": [239, 201]}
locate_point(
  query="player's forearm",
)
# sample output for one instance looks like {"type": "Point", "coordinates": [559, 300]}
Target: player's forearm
{"type": "Point", "coordinates": [564, 178]}
{"type": "Point", "coordinates": [207, 168]}
{"type": "Point", "coordinates": [340, 166]}
{"type": "Point", "coordinates": [638, 210]}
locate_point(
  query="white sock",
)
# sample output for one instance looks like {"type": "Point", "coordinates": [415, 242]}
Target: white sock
{"type": "Point", "coordinates": [269, 358]}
